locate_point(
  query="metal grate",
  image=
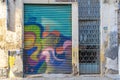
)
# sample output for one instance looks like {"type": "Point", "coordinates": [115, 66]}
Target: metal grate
{"type": "Point", "coordinates": [89, 41]}
{"type": "Point", "coordinates": [89, 32]}
{"type": "Point", "coordinates": [89, 46]}
{"type": "Point", "coordinates": [88, 56]}
{"type": "Point", "coordinates": [89, 9]}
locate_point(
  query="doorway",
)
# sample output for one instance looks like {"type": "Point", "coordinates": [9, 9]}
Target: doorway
{"type": "Point", "coordinates": [89, 36]}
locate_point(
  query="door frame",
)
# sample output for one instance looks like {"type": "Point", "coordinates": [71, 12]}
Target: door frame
{"type": "Point", "coordinates": [101, 50]}
{"type": "Point", "coordinates": [75, 40]}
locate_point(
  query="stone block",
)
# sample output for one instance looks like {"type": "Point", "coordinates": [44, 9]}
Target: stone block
{"type": "Point", "coordinates": [3, 73]}
{"type": "Point", "coordinates": [3, 59]}
{"type": "Point", "coordinates": [1, 37]}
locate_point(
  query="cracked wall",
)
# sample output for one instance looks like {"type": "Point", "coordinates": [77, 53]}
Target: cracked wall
{"type": "Point", "coordinates": [11, 40]}
{"type": "Point", "coordinates": [109, 37]}
{"type": "Point", "coordinates": [3, 51]}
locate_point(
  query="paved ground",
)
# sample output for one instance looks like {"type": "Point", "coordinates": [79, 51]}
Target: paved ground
{"type": "Point", "coordinates": [114, 77]}
{"type": "Point", "coordinates": [73, 78]}
{"type": "Point", "coordinates": [108, 77]}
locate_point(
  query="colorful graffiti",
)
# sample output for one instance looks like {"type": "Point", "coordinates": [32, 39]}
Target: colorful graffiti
{"type": "Point", "coordinates": [46, 51]}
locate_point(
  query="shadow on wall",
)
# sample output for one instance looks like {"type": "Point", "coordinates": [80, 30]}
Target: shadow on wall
{"type": "Point", "coordinates": [111, 52]}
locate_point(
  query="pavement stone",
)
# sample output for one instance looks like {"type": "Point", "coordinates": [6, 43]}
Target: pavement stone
{"type": "Point", "coordinates": [61, 78]}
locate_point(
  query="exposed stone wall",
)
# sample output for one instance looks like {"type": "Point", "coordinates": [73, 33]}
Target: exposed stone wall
{"type": "Point", "coordinates": [3, 51]}
{"type": "Point", "coordinates": [12, 40]}
{"type": "Point", "coordinates": [9, 39]}
{"type": "Point", "coordinates": [14, 37]}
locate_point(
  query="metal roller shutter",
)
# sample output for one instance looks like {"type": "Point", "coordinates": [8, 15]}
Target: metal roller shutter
{"type": "Point", "coordinates": [47, 38]}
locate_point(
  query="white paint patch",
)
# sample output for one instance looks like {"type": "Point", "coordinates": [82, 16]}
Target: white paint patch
{"type": "Point", "coordinates": [2, 11]}
{"type": "Point", "coordinates": [111, 64]}
{"type": "Point", "coordinates": [109, 18]}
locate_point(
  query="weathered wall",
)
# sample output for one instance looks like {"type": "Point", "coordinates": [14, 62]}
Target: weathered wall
{"type": "Point", "coordinates": [109, 40]}
{"type": "Point", "coordinates": [10, 40]}
{"type": "Point", "coordinates": [14, 37]}
{"type": "Point", "coordinates": [3, 51]}
{"type": "Point", "coordinates": [118, 25]}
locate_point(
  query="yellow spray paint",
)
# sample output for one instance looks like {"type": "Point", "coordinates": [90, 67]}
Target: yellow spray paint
{"type": "Point", "coordinates": [11, 61]}
{"type": "Point", "coordinates": [36, 42]}
{"type": "Point", "coordinates": [11, 65]}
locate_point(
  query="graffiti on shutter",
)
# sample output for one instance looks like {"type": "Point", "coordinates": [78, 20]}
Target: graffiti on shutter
{"type": "Point", "coordinates": [48, 44]}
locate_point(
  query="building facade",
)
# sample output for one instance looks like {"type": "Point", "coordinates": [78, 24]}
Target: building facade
{"type": "Point", "coordinates": [67, 37]}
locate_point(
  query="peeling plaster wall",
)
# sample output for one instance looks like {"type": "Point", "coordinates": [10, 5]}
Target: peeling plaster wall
{"type": "Point", "coordinates": [3, 51]}
{"type": "Point", "coordinates": [14, 38]}
{"type": "Point", "coordinates": [109, 39]}
{"type": "Point", "coordinates": [118, 25]}
{"type": "Point", "coordinates": [10, 40]}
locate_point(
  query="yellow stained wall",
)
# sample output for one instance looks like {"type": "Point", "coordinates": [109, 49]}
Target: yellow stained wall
{"type": "Point", "coordinates": [10, 40]}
